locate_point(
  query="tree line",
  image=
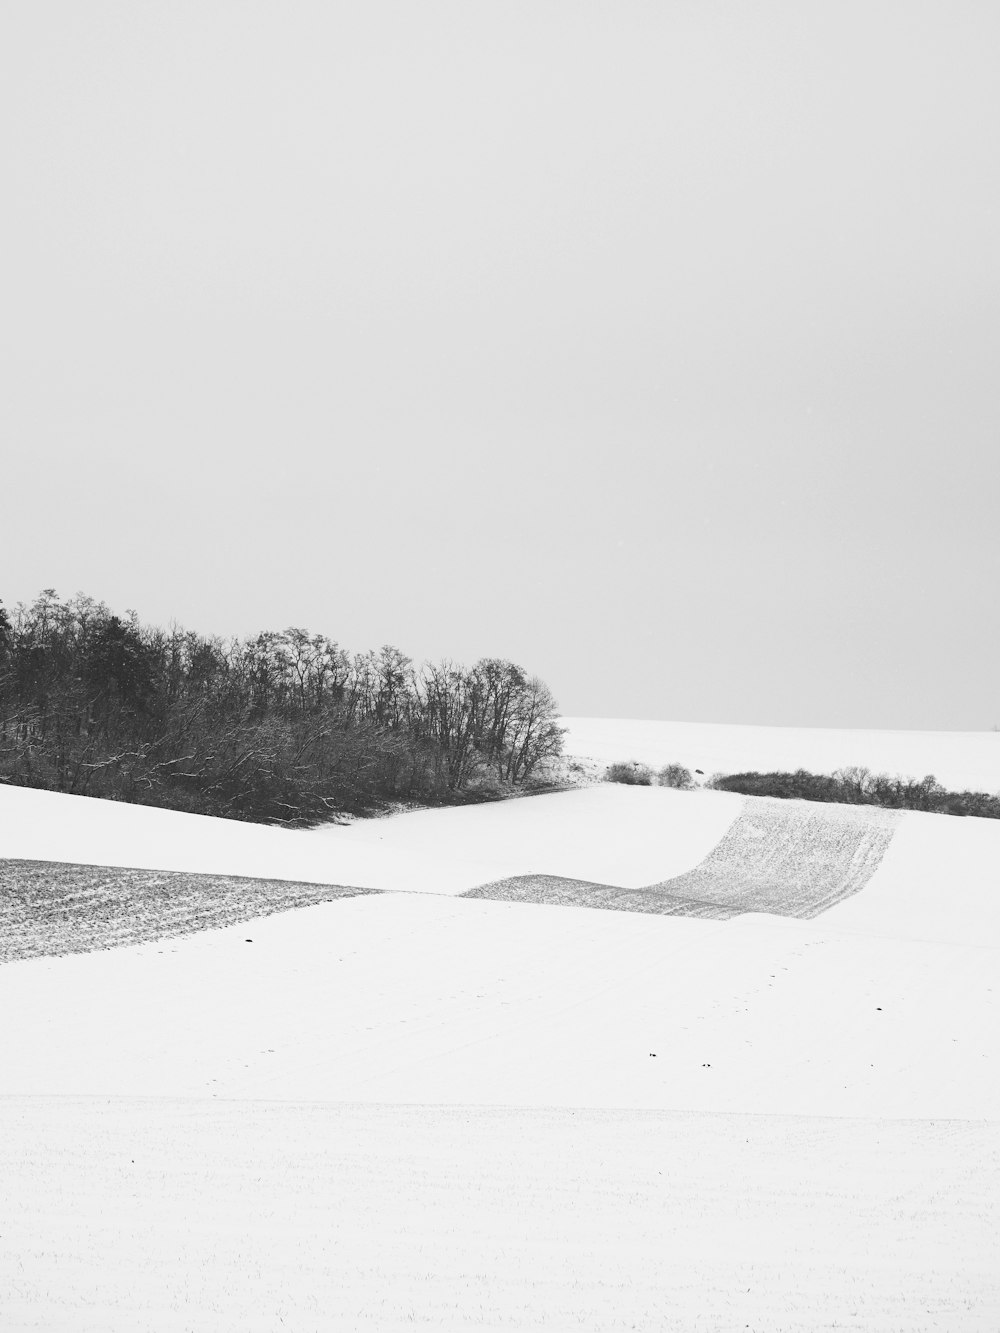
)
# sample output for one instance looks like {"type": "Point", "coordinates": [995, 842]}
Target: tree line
{"type": "Point", "coordinates": [859, 786]}
{"type": "Point", "coordinates": [280, 727]}
{"type": "Point", "coordinates": [848, 786]}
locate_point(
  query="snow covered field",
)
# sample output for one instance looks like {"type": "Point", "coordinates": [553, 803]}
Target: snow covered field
{"type": "Point", "coordinates": [418, 1109]}
{"type": "Point", "coordinates": [959, 760]}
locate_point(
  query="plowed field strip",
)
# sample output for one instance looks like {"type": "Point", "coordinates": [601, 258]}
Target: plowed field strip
{"type": "Point", "coordinates": [778, 858]}
{"type": "Point", "coordinates": [775, 858]}
{"type": "Point", "coordinates": [560, 891]}
{"type": "Point", "coordinates": [790, 861]}
{"type": "Point", "coordinates": [48, 909]}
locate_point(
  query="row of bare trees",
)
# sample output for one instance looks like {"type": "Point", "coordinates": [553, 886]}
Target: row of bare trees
{"type": "Point", "coordinates": [280, 727]}
{"type": "Point", "coordinates": [859, 786]}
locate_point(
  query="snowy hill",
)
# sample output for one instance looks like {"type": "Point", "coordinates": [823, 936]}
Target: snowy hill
{"type": "Point", "coordinates": [962, 760]}
{"type": "Point", "coordinates": [416, 1106]}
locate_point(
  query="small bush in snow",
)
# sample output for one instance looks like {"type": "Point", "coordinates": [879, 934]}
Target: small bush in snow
{"type": "Point", "coordinates": [676, 775]}
{"type": "Point", "coordinates": [630, 772]}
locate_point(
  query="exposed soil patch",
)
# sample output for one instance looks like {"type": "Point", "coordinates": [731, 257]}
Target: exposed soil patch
{"type": "Point", "coordinates": [794, 861]}
{"type": "Point", "coordinates": [789, 860]}
{"type": "Point", "coordinates": [48, 908]}
{"type": "Point", "coordinates": [560, 891]}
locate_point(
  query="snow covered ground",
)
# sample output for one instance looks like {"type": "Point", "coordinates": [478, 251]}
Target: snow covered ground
{"type": "Point", "coordinates": [961, 760]}
{"type": "Point", "coordinates": [415, 1109]}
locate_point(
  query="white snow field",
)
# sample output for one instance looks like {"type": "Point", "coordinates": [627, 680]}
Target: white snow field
{"type": "Point", "coordinates": [419, 1109]}
{"type": "Point", "coordinates": [961, 760]}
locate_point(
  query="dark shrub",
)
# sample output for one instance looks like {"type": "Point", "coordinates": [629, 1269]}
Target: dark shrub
{"type": "Point", "coordinates": [633, 774]}
{"type": "Point", "coordinates": [800, 785]}
{"type": "Point", "coordinates": [859, 787]}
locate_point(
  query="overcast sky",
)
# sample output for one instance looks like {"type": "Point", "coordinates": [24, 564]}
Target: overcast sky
{"type": "Point", "coordinates": [655, 346]}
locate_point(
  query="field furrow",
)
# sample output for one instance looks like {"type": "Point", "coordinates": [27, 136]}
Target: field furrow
{"type": "Point", "coordinates": [560, 891]}
{"type": "Point", "coordinates": [784, 858]}
{"type": "Point", "coordinates": [48, 908]}
{"type": "Point", "coordinates": [790, 859]}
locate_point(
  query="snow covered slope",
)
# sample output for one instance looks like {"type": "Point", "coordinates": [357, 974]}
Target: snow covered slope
{"type": "Point", "coordinates": [961, 760]}
{"type": "Point", "coordinates": [417, 1108]}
